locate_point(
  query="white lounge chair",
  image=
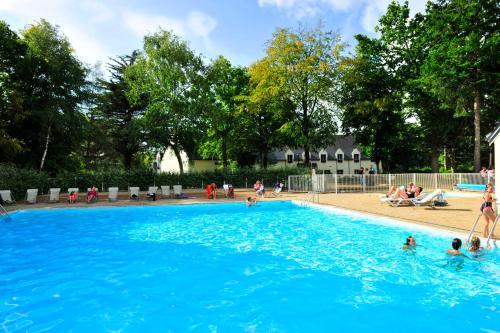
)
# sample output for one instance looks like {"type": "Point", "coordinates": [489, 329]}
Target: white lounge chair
{"type": "Point", "coordinates": [73, 189]}
{"type": "Point", "coordinates": [396, 202]}
{"type": "Point", "coordinates": [7, 197]}
{"type": "Point", "coordinates": [428, 200]}
{"type": "Point", "coordinates": [54, 194]}
{"type": "Point", "coordinates": [113, 193]}
{"type": "Point", "coordinates": [165, 191]}
{"type": "Point", "coordinates": [152, 192]}
{"type": "Point", "coordinates": [134, 193]}
{"type": "Point", "coordinates": [31, 195]}
{"type": "Point", "coordinates": [177, 190]}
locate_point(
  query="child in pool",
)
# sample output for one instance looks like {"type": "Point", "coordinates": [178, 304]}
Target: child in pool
{"type": "Point", "coordinates": [456, 244]}
{"type": "Point", "coordinates": [251, 201]}
{"type": "Point", "coordinates": [410, 243]}
{"type": "Point", "coordinates": [475, 246]}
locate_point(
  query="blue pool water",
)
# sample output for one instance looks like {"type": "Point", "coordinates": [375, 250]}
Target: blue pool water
{"type": "Point", "coordinates": [276, 267]}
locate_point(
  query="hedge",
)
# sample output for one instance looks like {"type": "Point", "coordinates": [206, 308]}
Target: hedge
{"type": "Point", "coordinates": [18, 180]}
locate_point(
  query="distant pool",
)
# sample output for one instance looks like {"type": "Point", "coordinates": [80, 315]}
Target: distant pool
{"type": "Point", "coordinates": [276, 267]}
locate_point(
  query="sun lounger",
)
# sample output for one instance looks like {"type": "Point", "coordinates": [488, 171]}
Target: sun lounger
{"type": "Point", "coordinates": [54, 195]}
{"type": "Point", "coordinates": [177, 190]}
{"type": "Point", "coordinates": [396, 202]}
{"type": "Point", "coordinates": [428, 200]}
{"type": "Point", "coordinates": [73, 189]}
{"type": "Point", "coordinates": [134, 193]}
{"type": "Point", "coordinates": [31, 195]}
{"type": "Point", "coordinates": [165, 191]}
{"type": "Point", "coordinates": [152, 192]}
{"type": "Point", "coordinates": [113, 193]}
{"type": "Point", "coordinates": [7, 197]}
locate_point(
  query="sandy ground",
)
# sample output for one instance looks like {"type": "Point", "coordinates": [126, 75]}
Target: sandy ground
{"type": "Point", "coordinates": [459, 215]}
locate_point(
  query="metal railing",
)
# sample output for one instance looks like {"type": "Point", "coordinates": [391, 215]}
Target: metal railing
{"type": "Point", "coordinates": [380, 182]}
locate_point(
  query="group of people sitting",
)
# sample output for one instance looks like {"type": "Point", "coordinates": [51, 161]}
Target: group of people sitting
{"type": "Point", "coordinates": [260, 191]}
{"type": "Point", "coordinates": [212, 191]}
{"type": "Point", "coordinates": [412, 191]}
{"type": "Point", "coordinates": [475, 247]}
{"type": "Point", "coordinates": [92, 195]}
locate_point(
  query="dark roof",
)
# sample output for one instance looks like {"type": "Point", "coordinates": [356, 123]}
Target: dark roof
{"type": "Point", "coordinates": [344, 142]}
{"type": "Point", "coordinates": [490, 137]}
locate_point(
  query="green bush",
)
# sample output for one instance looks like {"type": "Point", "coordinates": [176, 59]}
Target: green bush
{"type": "Point", "coordinates": [19, 180]}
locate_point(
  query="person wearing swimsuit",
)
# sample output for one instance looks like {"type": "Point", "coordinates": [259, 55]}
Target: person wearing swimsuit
{"type": "Point", "coordinates": [487, 210]}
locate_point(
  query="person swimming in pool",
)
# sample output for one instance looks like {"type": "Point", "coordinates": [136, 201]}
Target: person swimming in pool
{"type": "Point", "coordinates": [456, 244]}
{"type": "Point", "coordinates": [251, 201]}
{"type": "Point", "coordinates": [475, 246]}
{"type": "Point", "coordinates": [410, 243]}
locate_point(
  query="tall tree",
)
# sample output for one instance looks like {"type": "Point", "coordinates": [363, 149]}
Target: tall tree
{"type": "Point", "coordinates": [370, 104]}
{"type": "Point", "coordinates": [119, 118]}
{"type": "Point", "coordinates": [462, 62]}
{"type": "Point", "coordinates": [303, 66]}
{"type": "Point", "coordinates": [170, 74]}
{"type": "Point", "coordinates": [53, 89]}
{"type": "Point", "coordinates": [265, 115]}
{"type": "Point", "coordinates": [12, 54]}
{"type": "Point", "coordinates": [225, 83]}
{"type": "Point", "coordinates": [404, 51]}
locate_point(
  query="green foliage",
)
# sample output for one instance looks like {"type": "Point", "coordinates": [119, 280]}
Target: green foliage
{"type": "Point", "coordinates": [117, 118]}
{"type": "Point", "coordinates": [225, 84]}
{"type": "Point", "coordinates": [301, 66]}
{"type": "Point", "coordinates": [371, 105]}
{"type": "Point", "coordinates": [168, 72]}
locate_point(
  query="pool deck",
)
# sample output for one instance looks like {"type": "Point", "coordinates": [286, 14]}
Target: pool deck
{"type": "Point", "coordinates": [458, 216]}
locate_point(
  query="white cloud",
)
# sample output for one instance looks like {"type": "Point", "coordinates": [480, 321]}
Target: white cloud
{"type": "Point", "coordinates": [197, 24]}
{"type": "Point", "coordinates": [72, 19]}
{"type": "Point", "coordinates": [370, 10]}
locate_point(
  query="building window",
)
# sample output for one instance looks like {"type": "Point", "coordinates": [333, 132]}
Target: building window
{"type": "Point", "coordinates": [340, 172]}
{"type": "Point", "coordinates": [340, 158]}
{"type": "Point", "coordinates": [356, 158]}
{"type": "Point", "coordinates": [314, 165]}
{"type": "Point", "coordinates": [323, 158]}
{"type": "Point", "coordinates": [289, 158]}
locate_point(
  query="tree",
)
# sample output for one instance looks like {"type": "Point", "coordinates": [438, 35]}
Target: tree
{"type": "Point", "coordinates": [302, 65]}
{"type": "Point", "coordinates": [264, 115]}
{"type": "Point", "coordinates": [170, 75]}
{"type": "Point", "coordinates": [404, 50]}
{"type": "Point", "coordinates": [12, 54]}
{"type": "Point", "coordinates": [462, 62]}
{"type": "Point", "coordinates": [370, 104]}
{"type": "Point", "coordinates": [53, 84]}
{"type": "Point", "coordinates": [118, 117]}
{"type": "Point", "coordinates": [225, 83]}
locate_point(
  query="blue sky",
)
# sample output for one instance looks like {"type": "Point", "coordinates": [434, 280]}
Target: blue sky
{"type": "Point", "coordinates": [236, 29]}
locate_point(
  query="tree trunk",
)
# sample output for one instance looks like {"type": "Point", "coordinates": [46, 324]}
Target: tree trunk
{"type": "Point", "coordinates": [224, 154]}
{"type": "Point", "coordinates": [179, 159]}
{"type": "Point", "coordinates": [434, 159]}
{"type": "Point", "coordinates": [306, 156]}
{"type": "Point", "coordinates": [44, 155]}
{"type": "Point", "coordinates": [477, 130]}
{"type": "Point", "coordinates": [264, 158]}
{"type": "Point", "coordinates": [127, 160]}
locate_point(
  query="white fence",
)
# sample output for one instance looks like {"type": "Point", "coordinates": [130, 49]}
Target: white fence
{"type": "Point", "coordinates": [380, 182]}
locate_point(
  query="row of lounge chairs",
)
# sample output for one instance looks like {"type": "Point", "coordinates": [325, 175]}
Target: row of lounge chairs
{"type": "Point", "coordinates": [134, 193]}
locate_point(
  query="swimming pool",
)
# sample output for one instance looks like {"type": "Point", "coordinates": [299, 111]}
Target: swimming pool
{"type": "Point", "coordinates": [276, 267]}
